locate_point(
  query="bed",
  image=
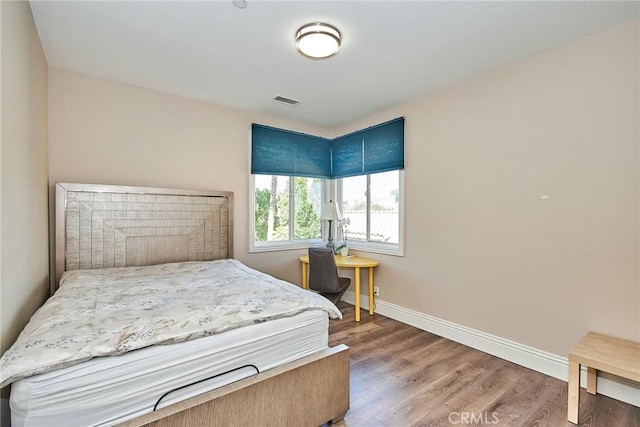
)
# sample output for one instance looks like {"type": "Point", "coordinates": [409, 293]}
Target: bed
{"type": "Point", "coordinates": [255, 369]}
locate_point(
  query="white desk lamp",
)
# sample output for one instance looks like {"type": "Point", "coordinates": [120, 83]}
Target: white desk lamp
{"type": "Point", "coordinates": [330, 212]}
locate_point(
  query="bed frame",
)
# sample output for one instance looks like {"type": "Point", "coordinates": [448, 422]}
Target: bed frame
{"type": "Point", "coordinates": [116, 226]}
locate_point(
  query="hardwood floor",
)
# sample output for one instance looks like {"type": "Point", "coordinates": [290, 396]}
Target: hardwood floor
{"type": "Point", "coordinates": [403, 376]}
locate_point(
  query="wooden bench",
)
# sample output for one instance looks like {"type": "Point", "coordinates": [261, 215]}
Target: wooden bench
{"type": "Point", "coordinates": [600, 353]}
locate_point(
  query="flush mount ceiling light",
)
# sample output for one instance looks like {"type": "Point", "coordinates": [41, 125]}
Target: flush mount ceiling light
{"type": "Point", "coordinates": [240, 4]}
{"type": "Point", "coordinates": [318, 40]}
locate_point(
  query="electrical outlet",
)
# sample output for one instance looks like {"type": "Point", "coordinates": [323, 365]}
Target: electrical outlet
{"type": "Point", "coordinates": [376, 291]}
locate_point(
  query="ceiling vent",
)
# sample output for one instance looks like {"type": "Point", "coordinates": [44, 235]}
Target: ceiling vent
{"type": "Point", "coordinates": [286, 101]}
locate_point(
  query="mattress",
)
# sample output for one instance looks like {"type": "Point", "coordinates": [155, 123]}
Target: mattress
{"type": "Point", "coordinates": [110, 311]}
{"type": "Point", "coordinates": [109, 390]}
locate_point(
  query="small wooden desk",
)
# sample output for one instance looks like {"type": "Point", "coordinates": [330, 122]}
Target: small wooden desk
{"type": "Point", "coordinates": [354, 262]}
{"type": "Point", "coordinates": [600, 353]}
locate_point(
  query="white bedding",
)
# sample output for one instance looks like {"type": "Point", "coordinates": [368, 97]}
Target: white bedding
{"type": "Point", "coordinates": [105, 312]}
{"type": "Point", "coordinates": [109, 390]}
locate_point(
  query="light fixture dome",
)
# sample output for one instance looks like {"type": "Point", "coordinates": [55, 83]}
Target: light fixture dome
{"type": "Point", "coordinates": [318, 40]}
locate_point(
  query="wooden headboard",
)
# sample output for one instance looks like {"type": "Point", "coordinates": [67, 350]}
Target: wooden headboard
{"type": "Point", "coordinates": [117, 226]}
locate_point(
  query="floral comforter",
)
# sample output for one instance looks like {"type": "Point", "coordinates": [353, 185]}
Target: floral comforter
{"type": "Point", "coordinates": [106, 312]}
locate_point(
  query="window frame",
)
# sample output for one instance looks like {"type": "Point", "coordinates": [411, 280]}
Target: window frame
{"type": "Point", "coordinates": [396, 249]}
{"type": "Point", "coordinates": [331, 190]}
{"type": "Point", "coordinates": [291, 243]}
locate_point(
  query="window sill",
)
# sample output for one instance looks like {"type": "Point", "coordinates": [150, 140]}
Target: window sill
{"type": "Point", "coordinates": [283, 246]}
{"type": "Point", "coordinates": [377, 248]}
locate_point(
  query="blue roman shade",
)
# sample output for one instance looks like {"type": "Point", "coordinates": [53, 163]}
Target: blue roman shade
{"type": "Point", "coordinates": [383, 147]}
{"type": "Point", "coordinates": [347, 155]}
{"type": "Point", "coordinates": [379, 148]}
{"type": "Point", "coordinates": [282, 152]}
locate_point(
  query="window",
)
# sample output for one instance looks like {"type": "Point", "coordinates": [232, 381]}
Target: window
{"type": "Point", "coordinates": [286, 211]}
{"type": "Point", "coordinates": [371, 210]}
{"type": "Point", "coordinates": [293, 174]}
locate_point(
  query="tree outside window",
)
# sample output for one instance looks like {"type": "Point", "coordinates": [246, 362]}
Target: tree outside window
{"type": "Point", "coordinates": [279, 198]}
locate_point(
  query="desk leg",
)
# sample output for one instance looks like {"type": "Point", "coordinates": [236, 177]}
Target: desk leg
{"type": "Point", "coordinates": [370, 291]}
{"type": "Point", "coordinates": [357, 269]}
{"type": "Point", "coordinates": [574, 392]}
{"type": "Point", "coordinates": [304, 275]}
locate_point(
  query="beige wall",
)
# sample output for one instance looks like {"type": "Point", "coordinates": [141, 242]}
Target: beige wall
{"type": "Point", "coordinates": [482, 248]}
{"type": "Point", "coordinates": [24, 175]}
{"type": "Point", "coordinates": [107, 132]}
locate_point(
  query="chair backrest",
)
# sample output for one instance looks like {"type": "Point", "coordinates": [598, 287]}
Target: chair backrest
{"type": "Point", "coordinates": [323, 273]}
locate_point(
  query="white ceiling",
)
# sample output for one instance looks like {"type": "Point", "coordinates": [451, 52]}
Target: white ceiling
{"type": "Point", "coordinates": [393, 51]}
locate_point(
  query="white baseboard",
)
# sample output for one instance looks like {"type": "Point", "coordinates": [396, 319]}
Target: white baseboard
{"type": "Point", "coordinates": [523, 355]}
